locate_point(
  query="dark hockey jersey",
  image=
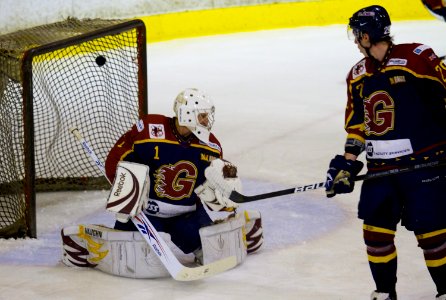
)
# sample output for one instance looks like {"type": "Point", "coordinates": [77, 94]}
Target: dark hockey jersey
{"type": "Point", "coordinates": [396, 108]}
{"type": "Point", "coordinates": [176, 164]}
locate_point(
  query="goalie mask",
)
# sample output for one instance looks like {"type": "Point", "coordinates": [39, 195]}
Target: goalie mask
{"type": "Point", "coordinates": [195, 110]}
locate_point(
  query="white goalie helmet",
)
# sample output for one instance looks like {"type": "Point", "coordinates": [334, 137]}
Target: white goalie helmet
{"type": "Point", "coordinates": [195, 110]}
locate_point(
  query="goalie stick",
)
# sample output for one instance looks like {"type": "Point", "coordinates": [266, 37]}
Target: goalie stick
{"type": "Point", "coordinates": [151, 236]}
{"type": "Point", "coordinates": [240, 198]}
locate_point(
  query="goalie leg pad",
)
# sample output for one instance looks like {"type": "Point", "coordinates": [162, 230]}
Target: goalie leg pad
{"type": "Point", "coordinates": [224, 240]}
{"type": "Point", "coordinates": [120, 253]}
{"type": "Point", "coordinates": [253, 230]}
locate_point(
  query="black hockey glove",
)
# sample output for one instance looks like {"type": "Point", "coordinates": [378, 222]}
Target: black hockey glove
{"type": "Point", "coordinates": [341, 175]}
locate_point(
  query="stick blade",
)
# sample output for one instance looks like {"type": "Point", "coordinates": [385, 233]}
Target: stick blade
{"type": "Point", "coordinates": [216, 267]}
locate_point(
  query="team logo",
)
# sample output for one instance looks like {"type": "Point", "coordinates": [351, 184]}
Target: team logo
{"type": "Point", "coordinates": [175, 182]}
{"type": "Point", "coordinates": [156, 131]}
{"type": "Point", "coordinates": [358, 69]}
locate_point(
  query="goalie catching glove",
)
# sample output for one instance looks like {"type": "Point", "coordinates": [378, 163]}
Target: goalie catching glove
{"type": "Point", "coordinates": [221, 180]}
{"type": "Point", "coordinates": [341, 175]}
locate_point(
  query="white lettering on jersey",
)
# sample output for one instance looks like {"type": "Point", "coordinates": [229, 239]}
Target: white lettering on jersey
{"type": "Point", "coordinates": [388, 149]}
{"type": "Point", "coordinates": [156, 131]}
{"type": "Point", "coordinates": [212, 145]}
{"type": "Point", "coordinates": [397, 62]}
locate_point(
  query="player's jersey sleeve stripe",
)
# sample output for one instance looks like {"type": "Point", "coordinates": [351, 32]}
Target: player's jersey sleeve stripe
{"type": "Point", "coordinates": [176, 143]}
{"type": "Point", "coordinates": [414, 73]}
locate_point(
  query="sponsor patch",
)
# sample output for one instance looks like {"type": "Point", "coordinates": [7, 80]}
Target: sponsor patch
{"type": "Point", "coordinates": [156, 131]}
{"type": "Point", "coordinates": [358, 69]}
{"type": "Point", "coordinates": [140, 125]}
{"type": "Point", "coordinates": [212, 145]}
{"type": "Point", "coordinates": [397, 79]}
{"type": "Point", "coordinates": [388, 149]}
{"type": "Point", "coordinates": [397, 62]}
{"type": "Point", "coordinates": [366, 14]}
{"type": "Point", "coordinates": [418, 50]}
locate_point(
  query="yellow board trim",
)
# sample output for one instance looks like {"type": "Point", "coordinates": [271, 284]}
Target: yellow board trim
{"type": "Point", "coordinates": [270, 16]}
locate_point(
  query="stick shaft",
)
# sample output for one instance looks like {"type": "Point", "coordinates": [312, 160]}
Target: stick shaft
{"type": "Point", "coordinates": [240, 198]}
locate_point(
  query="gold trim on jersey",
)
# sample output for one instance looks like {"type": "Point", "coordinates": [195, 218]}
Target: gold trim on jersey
{"type": "Point", "coordinates": [177, 143]}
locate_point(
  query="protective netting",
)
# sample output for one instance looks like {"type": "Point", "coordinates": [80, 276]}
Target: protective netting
{"type": "Point", "coordinates": [88, 74]}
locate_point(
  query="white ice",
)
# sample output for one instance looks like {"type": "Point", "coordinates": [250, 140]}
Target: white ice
{"type": "Point", "coordinates": [280, 99]}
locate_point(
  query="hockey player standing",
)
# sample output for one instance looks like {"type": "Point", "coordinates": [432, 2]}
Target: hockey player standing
{"type": "Point", "coordinates": [185, 173]}
{"type": "Point", "coordinates": [396, 114]}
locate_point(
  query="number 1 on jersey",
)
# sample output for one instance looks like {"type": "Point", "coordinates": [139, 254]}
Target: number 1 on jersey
{"type": "Point", "coordinates": [156, 153]}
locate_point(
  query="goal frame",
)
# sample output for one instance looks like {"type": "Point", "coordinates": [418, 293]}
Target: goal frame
{"type": "Point", "coordinates": [27, 83]}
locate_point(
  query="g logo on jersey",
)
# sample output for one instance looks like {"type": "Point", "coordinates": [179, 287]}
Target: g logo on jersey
{"type": "Point", "coordinates": [379, 113]}
{"type": "Point", "coordinates": [176, 181]}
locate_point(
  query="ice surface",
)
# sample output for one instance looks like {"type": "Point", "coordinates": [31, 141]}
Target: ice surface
{"type": "Point", "coordinates": [280, 99]}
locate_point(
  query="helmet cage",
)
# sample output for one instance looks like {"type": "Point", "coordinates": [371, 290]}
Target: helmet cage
{"type": "Point", "coordinates": [196, 111]}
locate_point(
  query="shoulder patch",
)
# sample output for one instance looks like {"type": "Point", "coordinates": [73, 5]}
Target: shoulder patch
{"type": "Point", "coordinates": [358, 69]}
{"type": "Point", "coordinates": [140, 125]}
{"type": "Point", "coordinates": [156, 131]}
{"type": "Point", "coordinates": [212, 145]}
{"type": "Point", "coordinates": [397, 62]}
{"type": "Point", "coordinates": [418, 50]}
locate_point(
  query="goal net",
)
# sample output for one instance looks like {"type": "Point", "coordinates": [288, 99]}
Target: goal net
{"type": "Point", "coordinates": [89, 74]}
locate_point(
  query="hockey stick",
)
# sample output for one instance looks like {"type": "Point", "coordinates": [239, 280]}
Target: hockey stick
{"type": "Point", "coordinates": [239, 198]}
{"type": "Point", "coordinates": [152, 237]}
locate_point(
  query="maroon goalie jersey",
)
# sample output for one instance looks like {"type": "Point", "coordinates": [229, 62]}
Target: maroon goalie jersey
{"type": "Point", "coordinates": [176, 163]}
{"type": "Point", "coordinates": [396, 108]}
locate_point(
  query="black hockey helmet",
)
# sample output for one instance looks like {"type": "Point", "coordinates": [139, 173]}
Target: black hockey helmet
{"type": "Point", "coordinates": [373, 20]}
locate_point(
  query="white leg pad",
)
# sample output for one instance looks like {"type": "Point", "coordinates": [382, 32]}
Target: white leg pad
{"type": "Point", "coordinates": [224, 240]}
{"type": "Point", "coordinates": [121, 253]}
{"type": "Point", "coordinates": [254, 230]}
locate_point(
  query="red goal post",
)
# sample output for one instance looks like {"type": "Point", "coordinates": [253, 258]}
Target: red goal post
{"type": "Point", "coordinates": [88, 73]}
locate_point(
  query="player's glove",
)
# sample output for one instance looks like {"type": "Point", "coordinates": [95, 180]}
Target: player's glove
{"type": "Point", "coordinates": [221, 180]}
{"type": "Point", "coordinates": [341, 175]}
